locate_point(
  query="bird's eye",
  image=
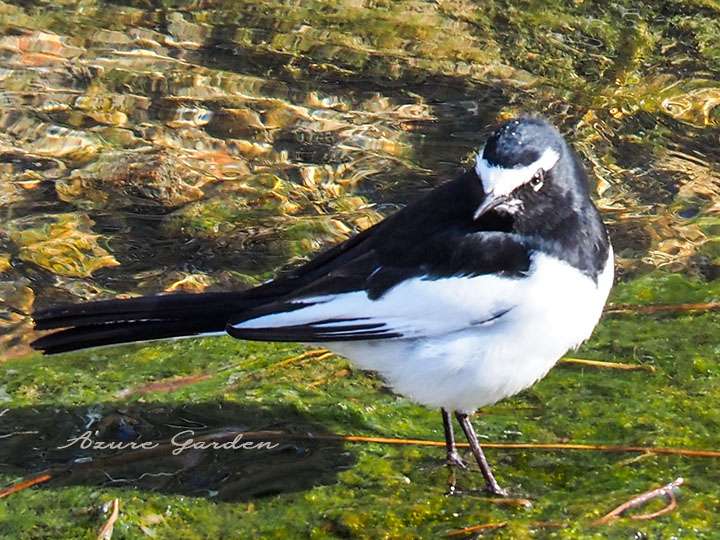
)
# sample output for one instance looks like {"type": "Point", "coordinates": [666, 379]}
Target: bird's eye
{"type": "Point", "coordinates": [536, 182]}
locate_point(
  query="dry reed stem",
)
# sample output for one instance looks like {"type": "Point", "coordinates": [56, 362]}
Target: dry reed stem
{"type": "Point", "coordinates": [686, 452]}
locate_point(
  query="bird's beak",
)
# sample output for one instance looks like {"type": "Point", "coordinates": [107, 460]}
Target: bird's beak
{"type": "Point", "coordinates": [491, 201]}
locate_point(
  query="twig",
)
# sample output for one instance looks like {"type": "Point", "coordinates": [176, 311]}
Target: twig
{"type": "Point", "coordinates": [661, 308]}
{"type": "Point", "coordinates": [24, 484]}
{"type": "Point", "coordinates": [106, 531]}
{"type": "Point", "coordinates": [686, 452]}
{"type": "Point", "coordinates": [642, 499]}
{"type": "Point", "coordinates": [476, 528]}
{"type": "Point", "coordinates": [608, 365]}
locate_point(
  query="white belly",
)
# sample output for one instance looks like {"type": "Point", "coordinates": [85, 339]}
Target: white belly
{"type": "Point", "coordinates": [556, 308]}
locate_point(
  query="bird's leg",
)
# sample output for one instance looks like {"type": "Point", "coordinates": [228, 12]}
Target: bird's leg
{"type": "Point", "coordinates": [491, 484]}
{"type": "Point", "coordinates": [453, 458]}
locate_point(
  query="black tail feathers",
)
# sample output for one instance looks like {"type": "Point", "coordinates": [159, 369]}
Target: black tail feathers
{"type": "Point", "coordinates": [111, 322]}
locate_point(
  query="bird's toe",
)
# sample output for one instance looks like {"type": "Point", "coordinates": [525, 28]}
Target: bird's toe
{"type": "Point", "coordinates": [454, 460]}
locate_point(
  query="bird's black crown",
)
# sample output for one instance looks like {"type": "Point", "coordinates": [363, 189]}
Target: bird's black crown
{"type": "Point", "coordinates": [520, 142]}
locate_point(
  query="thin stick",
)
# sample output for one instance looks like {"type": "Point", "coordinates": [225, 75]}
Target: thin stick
{"type": "Point", "coordinates": [661, 308]}
{"type": "Point", "coordinates": [476, 528]}
{"type": "Point", "coordinates": [106, 531]}
{"type": "Point", "coordinates": [24, 484]}
{"type": "Point", "coordinates": [608, 365]}
{"type": "Point", "coordinates": [639, 500]}
{"type": "Point", "coordinates": [687, 452]}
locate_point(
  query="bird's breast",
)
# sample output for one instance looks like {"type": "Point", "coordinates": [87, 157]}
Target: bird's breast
{"type": "Point", "coordinates": [554, 308]}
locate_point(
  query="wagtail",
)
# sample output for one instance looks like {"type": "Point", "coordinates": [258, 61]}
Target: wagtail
{"type": "Point", "coordinates": [464, 297]}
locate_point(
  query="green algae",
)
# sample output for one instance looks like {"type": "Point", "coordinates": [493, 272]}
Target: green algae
{"type": "Point", "coordinates": [390, 491]}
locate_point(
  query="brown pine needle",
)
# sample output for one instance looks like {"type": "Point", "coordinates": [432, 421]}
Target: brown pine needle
{"type": "Point", "coordinates": [24, 484]}
{"type": "Point", "coordinates": [685, 452]}
{"type": "Point", "coordinates": [106, 531]}
{"type": "Point", "coordinates": [650, 309]}
{"type": "Point", "coordinates": [668, 491]}
{"type": "Point", "coordinates": [607, 365]}
{"type": "Point", "coordinates": [476, 528]}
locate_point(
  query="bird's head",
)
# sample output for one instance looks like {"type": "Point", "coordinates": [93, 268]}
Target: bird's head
{"type": "Point", "coordinates": [526, 165]}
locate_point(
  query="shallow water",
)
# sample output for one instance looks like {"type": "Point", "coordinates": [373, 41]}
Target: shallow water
{"type": "Point", "coordinates": [201, 145]}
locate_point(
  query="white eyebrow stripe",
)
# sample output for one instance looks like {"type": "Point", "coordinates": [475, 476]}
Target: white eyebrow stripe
{"type": "Point", "coordinates": [500, 181]}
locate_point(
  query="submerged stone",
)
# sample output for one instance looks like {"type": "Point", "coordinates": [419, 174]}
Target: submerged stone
{"type": "Point", "coordinates": [63, 244]}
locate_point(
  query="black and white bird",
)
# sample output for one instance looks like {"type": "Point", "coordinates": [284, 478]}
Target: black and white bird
{"type": "Point", "coordinates": [464, 297]}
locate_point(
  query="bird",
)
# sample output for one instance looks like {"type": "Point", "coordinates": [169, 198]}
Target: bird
{"type": "Point", "coordinates": [466, 296]}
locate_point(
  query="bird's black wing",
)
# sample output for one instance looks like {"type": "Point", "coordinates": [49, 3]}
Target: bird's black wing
{"type": "Point", "coordinates": [376, 285]}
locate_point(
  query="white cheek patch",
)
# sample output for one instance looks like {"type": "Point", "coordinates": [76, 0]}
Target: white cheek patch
{"type": "Point", "coordinates": [499, 181]}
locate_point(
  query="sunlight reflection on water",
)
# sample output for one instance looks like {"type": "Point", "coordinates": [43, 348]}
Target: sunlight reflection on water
{"type": "Point", "coordinates": [202, 146]}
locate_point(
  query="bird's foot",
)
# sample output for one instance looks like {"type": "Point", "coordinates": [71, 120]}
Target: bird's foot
{"type": "Point", "coordinates": [454, 460]}
{"type": "Point", "coordinates": [494, 489]}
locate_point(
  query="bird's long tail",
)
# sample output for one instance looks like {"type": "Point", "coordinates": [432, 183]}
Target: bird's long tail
{"type": "Point", "coordinates": [111, 322]}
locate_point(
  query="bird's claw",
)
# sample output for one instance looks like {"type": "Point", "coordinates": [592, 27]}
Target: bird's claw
{"type": "Point", "coordinates": [496, 490]}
